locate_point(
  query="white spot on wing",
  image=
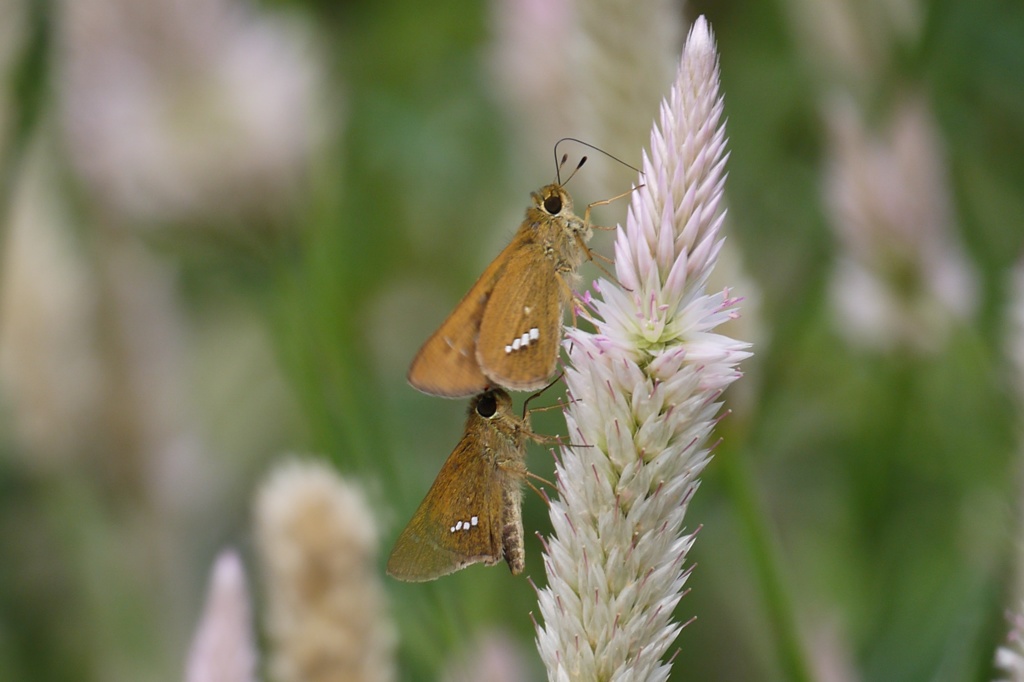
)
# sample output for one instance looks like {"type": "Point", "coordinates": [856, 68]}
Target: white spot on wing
{"type": "Point", "coordinates": [524, 340]}
{"type": "Point", "coordinates": [465, 525]}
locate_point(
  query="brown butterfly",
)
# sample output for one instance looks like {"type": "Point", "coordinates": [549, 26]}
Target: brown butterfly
{"type": "Point", "coordinates": [506, 331]}
{"type": "Point", "coordinates": [473, 511]}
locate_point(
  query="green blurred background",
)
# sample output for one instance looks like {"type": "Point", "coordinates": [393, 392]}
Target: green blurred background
{"type": "Point", "coordinates": [157, 356]}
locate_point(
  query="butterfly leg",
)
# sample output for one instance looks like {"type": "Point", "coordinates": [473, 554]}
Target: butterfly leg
{"type": "Point", "coordinates": [605, 202]}
{"type": "Point", "coordinates": [592, 256]}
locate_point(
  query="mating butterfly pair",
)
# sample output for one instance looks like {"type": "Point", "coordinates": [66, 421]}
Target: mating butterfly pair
{"type": "Point", "coordinates": [504, 333]}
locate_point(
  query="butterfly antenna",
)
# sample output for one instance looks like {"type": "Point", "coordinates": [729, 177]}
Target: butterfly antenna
{"type": "Point", "coordinates": [527, 401]}
{"type": "Point", "coordinates": [596, 149]}
{"type": "Point", "coordinates": [560, 164]}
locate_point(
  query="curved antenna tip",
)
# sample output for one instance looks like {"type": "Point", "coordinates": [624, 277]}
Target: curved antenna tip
{"type": "Point", "coordinates": [583, 160]}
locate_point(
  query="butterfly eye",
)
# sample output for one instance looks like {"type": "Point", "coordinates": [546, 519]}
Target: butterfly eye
{"type": "Point", "coordinates": [486, 406]}
{"type": "Point", "coordinates": [553, 204]}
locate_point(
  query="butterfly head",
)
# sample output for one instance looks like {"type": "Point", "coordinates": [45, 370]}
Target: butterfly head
{"type": "Point", "coordinates": [550, 201]}
{"type": "Point", "coordinates": [494, 406]}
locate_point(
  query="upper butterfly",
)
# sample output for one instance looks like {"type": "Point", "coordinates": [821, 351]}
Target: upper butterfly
{"type": "Point", "coordinates": [506, 330]}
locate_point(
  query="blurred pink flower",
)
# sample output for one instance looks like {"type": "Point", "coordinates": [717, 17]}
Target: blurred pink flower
{"type": "Point", "coordinates": [902, 279]}
{"type": "Point", "coordinates": [223, 649]}
{"type": "Point", "coordinates": [1010, 657]}
{"type": "Point", "coordinates": [493, 656]}
{"type": "Point", "coordinates": [178, 109]}
{"type": "Point", "coordinates": [531, 72]}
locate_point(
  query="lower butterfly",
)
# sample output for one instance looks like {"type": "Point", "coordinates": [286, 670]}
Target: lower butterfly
{"type": "Point", "coordinates": [473, 511]}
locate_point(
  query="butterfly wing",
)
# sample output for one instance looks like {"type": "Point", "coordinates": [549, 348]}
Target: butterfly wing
{"type": "Point", "coordinates": [447, 364]}
{"type": "Point", "coordinates": [457, 524]}
{"type": "Point", "coordinates": [517, 346]}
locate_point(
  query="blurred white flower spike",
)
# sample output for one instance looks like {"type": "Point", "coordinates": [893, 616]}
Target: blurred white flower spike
{"type": "Point", "coordinates": [643, 398]}
{"type": "Point", "coordinates": [326, 614]}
